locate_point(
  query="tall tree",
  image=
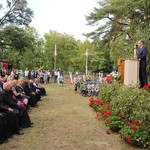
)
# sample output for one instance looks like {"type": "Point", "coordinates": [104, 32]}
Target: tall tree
{"type": "Point", "coordinates": [16, 12]}
{"type": "Point", "coordinates": [25, 49]}
{"type": "Point", "coordinates": [66, 46]}
{"type": "Point", "coordinates": [121, 23]}
{"type": "Point", "coordinates": [17, 38]}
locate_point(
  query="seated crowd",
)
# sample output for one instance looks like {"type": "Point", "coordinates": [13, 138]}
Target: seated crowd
{"type": "Point", "coordinates": [87, 85]}
{"type": "Point", "coordinates": [16, 99]}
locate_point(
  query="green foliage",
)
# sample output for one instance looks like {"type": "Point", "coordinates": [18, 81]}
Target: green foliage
{"type": "Point", "coordinates": [16, 12]}
{"type": "Point", "coordinates": [128, 101]}
{"type": "Point", "coordinates": [108, 91]}
{"type": "Point", "coordinates": [22, 47]}
{"type": "Point", "coordinates": [16, 38]}
{"type": "Point", "coordinates": [128, 114]}
{"type": "Point", "coordinates": [138, 135]}
{"type": "Point", "coordinates": [121, 24]}
{"type": "Point", "coordinates": [115, 123]}
{"type": "Point", "coordinates": [66, 46]}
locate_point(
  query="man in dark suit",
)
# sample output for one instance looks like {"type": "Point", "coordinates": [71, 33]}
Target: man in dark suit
{"type": "Point", "coordinates": [24, 119]}
{"type": "Point", "coordinates": [141, 55]}
{"type": "Point", "coordinates": [11, 117]}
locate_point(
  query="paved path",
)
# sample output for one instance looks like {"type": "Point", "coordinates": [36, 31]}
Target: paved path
{"type": "Point", "coordinates": [64, 121]}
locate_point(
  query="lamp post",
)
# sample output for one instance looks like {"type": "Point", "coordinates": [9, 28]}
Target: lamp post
{"type": "Point", "coordinates": [86, 63]}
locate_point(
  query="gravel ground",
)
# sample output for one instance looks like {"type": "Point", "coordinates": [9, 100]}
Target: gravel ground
{"type": "Point", "coordinates": [64, 121]}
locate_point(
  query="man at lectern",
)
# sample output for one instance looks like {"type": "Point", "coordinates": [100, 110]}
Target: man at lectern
{"type": "Point", "coordinates": [141, 55]}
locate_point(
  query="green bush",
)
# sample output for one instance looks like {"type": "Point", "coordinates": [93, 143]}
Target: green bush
{"type": "Point", "coordinates": [130, 112]}
{"type": "Point", "coordinates": [108, 91]}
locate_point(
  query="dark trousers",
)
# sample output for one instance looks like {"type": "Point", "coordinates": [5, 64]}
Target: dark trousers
{"type": "Point", "coordinates": [55, 80]}
{"type": "Point", "coordinates": [3, 129]}
{"type": "Point", "coordinates": [143, 76]}
{"type": "Point", "coordinates": [13, 125]}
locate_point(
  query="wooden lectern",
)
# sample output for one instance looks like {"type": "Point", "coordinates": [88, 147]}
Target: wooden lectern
{"type": "Point", "coordinates": [120, 64]}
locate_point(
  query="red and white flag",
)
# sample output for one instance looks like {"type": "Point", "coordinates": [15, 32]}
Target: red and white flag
{"type": "Point", "coordinates": [55, 51]}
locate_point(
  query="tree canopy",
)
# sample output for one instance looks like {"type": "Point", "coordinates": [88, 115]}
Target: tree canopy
{"type": "Point", "coordinates": [121, 23]}
{"type": "Point", "coordinates": [16, 12]}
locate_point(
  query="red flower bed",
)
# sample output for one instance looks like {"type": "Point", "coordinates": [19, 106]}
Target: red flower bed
{"type": "Point", "coordinates": [129, 130]}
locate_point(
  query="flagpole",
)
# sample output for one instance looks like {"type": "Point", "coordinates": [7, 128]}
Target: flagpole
{"type": "Point", "coordinates": [55, 54]}
{"type": "Point", "coordinates": [86, 62]}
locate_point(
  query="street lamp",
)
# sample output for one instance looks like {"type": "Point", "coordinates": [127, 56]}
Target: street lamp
{"type": "Point", "coordinates": [86, 64]}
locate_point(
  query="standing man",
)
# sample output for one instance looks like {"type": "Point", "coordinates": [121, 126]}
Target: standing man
{"type": "Point", "coordinates": [141, 55]}
{"type": "Point", "coordinates": [58, 76]}
{"type": "Point", "coordinates": [26, 73]}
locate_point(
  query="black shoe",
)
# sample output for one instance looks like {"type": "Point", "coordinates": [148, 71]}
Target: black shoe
{"type": "Point", "coordinates": [36, 106]}
{"type": "Point", "coordinates": [6, 141]}
{"type": "Point", "coordinates": [20, 133]}
{"type": "Point", "coordinates": [10, 136]}
{"type": "Point", "coordinates": [141, 87]}
{"type": "Point", "coordinates": [32, 123]}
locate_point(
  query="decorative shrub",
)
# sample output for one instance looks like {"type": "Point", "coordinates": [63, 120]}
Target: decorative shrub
{"type": "Point", "coordinates": [115, 123]}
{"type": "Point", "coordinates": [125, 110]}
{"type": "Point", "coordinates": [108, 91]}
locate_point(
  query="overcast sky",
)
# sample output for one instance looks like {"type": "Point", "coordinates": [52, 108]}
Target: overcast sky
{"type": "Point", "coordinates": [64, 16]}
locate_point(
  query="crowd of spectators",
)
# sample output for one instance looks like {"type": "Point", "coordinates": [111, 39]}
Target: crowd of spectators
{"type": "Point", "coordinates": [90, 84]}
{"type": "Point", "coordinates": [17, 96]}
{"type": "Point", "coordinates": [87, 85]}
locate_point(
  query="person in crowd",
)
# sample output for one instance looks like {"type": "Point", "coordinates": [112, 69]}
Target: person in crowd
{"type": "Point", "coordinates": [21, 74]}
{"type": "Point", "coordinates": [26, 73]}
{"type": "Point", "coordinates": [24, 119]}
{"type": "Point", "coordinates": [36, 74]}
{"type": "Point", "coordinates": [39, 88]}
{"type": "Point", "coordinates": [3, 72]}
{"type": "Point", "coordinates": [89, 89]}
{"type": "Point", "coordinates": [70, 80]}
{"type": "Point", "coordinates": [34, 89]}
{"type": "Point", "coordinates": [141, 55]}
{"type": "Point", "coordinates": [11, 117]}
{"type": "Point", "coordinates": [88, 78]}
{"type": "Point", "coordinates": [96, 89]}
{"type": "Point", "coordinates": [101, 76]}
{"type": "Point", "coordinates": [12, 73]}
{"type": "Point", "coordinates": [84, 90]}
{"type": "Point", "coordinates": [84, 77]}
{"type": "Point", "coordinates": [49, 76]}
{"type": "Point", "coordinates": [40, 73]}
{"type": "Point", "coordinates": [32, 74]}
{"type": "Point", "coordinates": [55, 76]}
{"type": "Point", "coordinates": [58, 76]}
{"type": "Point", "coordinates": [16, 74]}
{"type": "Point", "coordinates": [3, 130]}
{"type": "Point", "coordinates": [75, 81]}
{"type": "Point", "coordinates": [19, 95]}
{"type": "Point", "coordinates": [45, 76]}
{"type": "Point", "coordinates": [109, 78]}
{"type": "Point", "coordinates": [25, 85]}
{"type": "Point", "coordinates": [1, 84]}
{"type": "Point", "coordinates": [9, 78]}
{"type": "Point", "coordinates": [61, 75]}
{"type": "Point", "coordinates": [5, 78]}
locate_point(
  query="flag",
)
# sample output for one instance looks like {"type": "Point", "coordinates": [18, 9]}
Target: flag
{"type": "Point", "coordinates": [55, 51]}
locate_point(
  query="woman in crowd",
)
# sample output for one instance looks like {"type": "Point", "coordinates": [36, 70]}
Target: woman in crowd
{"type": "Point", "coordinates": [18, 94]}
